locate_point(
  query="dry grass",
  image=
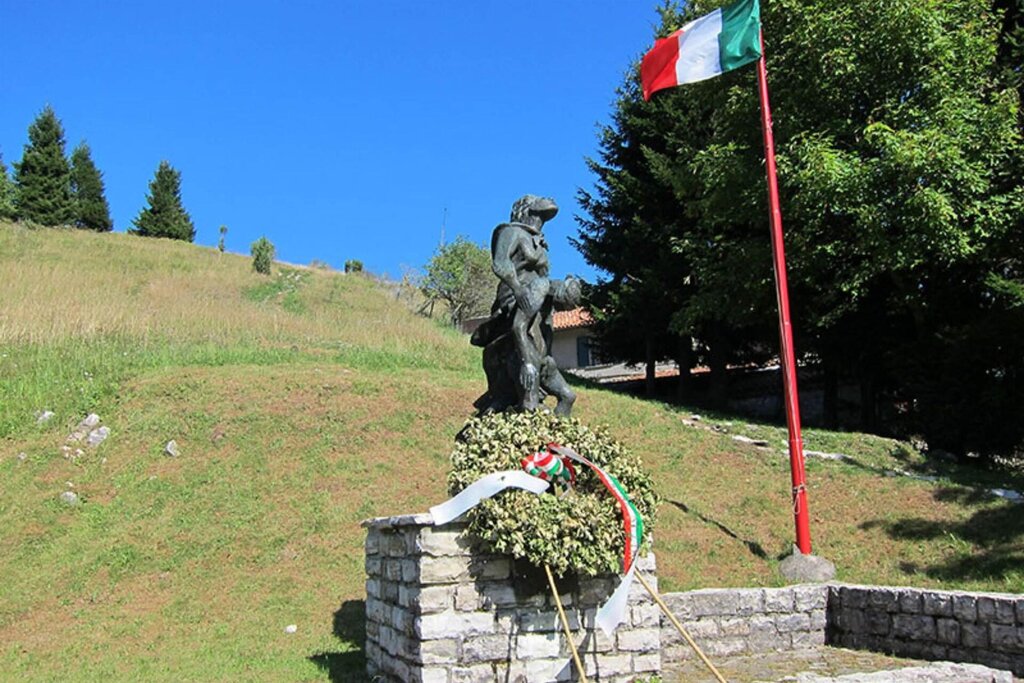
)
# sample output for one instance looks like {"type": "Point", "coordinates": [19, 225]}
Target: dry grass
{"type": "Point", "coordinates": [65, 285]}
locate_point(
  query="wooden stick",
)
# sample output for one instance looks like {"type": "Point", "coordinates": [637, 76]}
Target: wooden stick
{"type": "Point", "coordinates": [679, 627]}
{"type": "Point", "coordinates": [565, 625]}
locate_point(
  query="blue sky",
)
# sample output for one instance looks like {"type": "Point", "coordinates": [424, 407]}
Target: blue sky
{"type": "Point", "coordinates": [337, 129]}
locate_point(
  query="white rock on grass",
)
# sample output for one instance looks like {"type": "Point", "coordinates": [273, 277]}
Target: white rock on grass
{"type": "Point", "coordinates": [825, 456]}
{"type": "Point", "coordinates": [98, 436]}
{"type": "Point", "coordinates": [23, 456]}
{"type": "Point", "coordinates": [171, 449]}
{"type": "Point", "coordinates": [70, 498]}
{"type": "Point", "coordinates": [44, 416]}
{"type": "Point", "coordinates": [83, 428]}
{"type": "Point", "coordinates": [291, 628]}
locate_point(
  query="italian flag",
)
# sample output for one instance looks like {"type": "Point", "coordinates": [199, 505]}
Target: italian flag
{"type": "Point", "coordinates": [718, 42]}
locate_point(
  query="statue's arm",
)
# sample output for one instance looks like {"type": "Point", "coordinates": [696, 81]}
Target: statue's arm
{"type": "Point", "coordinates": [501, 259]}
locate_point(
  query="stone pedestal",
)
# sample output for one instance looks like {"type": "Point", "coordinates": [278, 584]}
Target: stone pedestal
{"type": "Point", "coordinates": [439, 610]}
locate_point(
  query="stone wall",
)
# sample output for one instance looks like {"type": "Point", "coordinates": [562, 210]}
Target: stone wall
{"type": "Point", "coordinates": [747, 621]}
{"type": "Point", "coordinates": [985, 628]}
{"type": "Point", "coordinates": [439, 610]}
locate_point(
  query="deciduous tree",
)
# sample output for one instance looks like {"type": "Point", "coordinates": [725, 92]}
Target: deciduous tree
{"type": "Point", "coordinates": [459, 274]}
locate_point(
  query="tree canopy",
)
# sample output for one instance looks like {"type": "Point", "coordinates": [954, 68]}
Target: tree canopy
{"type": "Point", "coordinates": [8, 211]}
{"type": "Point", "coordinates": [165, 216]}
{"type": "Point", "coordinates": [459, 274]}
{"type": "Point", "coordinates": [899, 148]}
{"type": "Point", "coordinates": [92, 211]}
{"type": "Point", "coordinates": [43, 176]}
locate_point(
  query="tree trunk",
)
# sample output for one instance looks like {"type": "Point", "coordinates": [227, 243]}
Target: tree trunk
{"type": "Point", "coordinates": [684, 359]}
{"type": "Point", "coordinates": [868, 404]}
{"type": "Point", "coordinates": [718, 357]}
{"type": "Point", "coordinates": [830, 389]}
{"type": "Point", "coordinates": [652, 366]}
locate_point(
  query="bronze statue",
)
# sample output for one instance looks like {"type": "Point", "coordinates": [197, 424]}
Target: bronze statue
{"type": "Point", "coordinates": [517, 337]}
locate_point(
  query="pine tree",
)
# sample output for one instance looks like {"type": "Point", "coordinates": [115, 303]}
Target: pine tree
{"type": "Point", "coordinates": [7, 208]}
{"type": "Point", "coordinates": [43, 177]}
{"type": "Point", "coordinates": [165, 216]}
{"type": "Point", "coordinates": [92, 211]}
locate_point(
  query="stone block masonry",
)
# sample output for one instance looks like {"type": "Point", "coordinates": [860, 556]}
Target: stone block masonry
{"type": "Point", "coordinates": [983, 628]}
{"type": "Point", "coordinates": [746, 621]}
{"type": "Point", "coordinates": [440, 610]}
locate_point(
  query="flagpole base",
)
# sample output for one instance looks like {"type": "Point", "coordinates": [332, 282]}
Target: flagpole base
{"type": "Point", "coordinates": [801, 568]}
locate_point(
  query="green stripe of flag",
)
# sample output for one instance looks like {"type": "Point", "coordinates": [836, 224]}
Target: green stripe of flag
{"type": "Point", "coordinates": [739, 42]}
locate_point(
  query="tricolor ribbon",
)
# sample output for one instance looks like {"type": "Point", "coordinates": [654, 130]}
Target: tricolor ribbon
{"type": "Point", "coordinates": [550, 467]}
{"type": "Point", "coordinates": [612, 612]}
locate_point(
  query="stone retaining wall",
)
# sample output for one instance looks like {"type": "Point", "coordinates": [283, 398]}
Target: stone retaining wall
{"type": "Point", "coordinates": [438, 610]}
{"type": "Point", "coordinates": [985, 628]}
{"type": "Point", "coordinates": [982, 628]}
{"type": "Point", "coordinates": [748, 621]}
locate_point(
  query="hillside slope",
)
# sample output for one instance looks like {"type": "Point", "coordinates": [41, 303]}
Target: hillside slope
{"type": "Point", "coordinates": [306, 401]}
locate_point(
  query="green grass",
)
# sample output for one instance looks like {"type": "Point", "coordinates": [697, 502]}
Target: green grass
{"type": "Point", "coordinates": [304, 403]}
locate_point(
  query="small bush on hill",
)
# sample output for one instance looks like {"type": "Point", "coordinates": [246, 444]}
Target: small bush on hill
{"type": "Point", "coordinates": [353, 266]}
{"type": "Point", "coordinates": [262, 255]}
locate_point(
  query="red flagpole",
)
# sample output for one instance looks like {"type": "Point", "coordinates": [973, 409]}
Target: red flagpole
{"type": "Point", "coordinates": [796, 444]}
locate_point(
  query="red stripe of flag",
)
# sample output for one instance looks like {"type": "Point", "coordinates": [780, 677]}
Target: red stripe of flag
{"type": "Point", "coordinates": [658, 69]}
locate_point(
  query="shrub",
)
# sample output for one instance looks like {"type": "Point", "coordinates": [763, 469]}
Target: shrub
{"type": "Point", "coordinates": [262, 255]}
{"type": "Point", "coordinates": [580, 531]}
{"type": "Point", "coordinates": [353, 266]}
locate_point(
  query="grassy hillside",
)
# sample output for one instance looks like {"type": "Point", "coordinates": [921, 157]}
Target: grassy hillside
{"type": "Point", "coordinates": [306, 401]}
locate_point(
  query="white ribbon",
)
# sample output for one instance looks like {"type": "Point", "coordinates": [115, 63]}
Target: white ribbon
{"type": "Point", "coordinates": [483, 488]}
{"type": "Point", "coordinates": [613, 611]}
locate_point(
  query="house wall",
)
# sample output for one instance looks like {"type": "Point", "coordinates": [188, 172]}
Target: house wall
{"type": "Point", "coordinates": [563, 346]}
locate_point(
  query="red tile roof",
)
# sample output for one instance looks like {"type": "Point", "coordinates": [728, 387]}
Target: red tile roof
{"type": "Point", "coordinates": [568, 320]}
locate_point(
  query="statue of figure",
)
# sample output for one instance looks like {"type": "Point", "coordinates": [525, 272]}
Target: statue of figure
{"type": "Point", "coordinates": [517, 337]}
